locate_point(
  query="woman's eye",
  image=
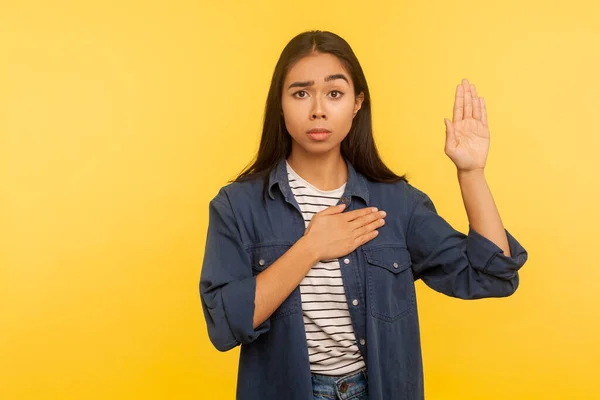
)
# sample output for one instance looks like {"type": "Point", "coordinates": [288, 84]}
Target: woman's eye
{"type": "Point", "coordinates": [298, 93]}
{"type": "Point", "coordinates": [339, 94]}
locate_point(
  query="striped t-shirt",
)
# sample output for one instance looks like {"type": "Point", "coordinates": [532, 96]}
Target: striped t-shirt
{"type": "Point", "coordinates": [332, 347]}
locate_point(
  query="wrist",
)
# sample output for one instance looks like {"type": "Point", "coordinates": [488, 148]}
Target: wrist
{"type": "Point", "coordinates": [307, 249]}
{"type": "Point", "coordinates": [467, 173]}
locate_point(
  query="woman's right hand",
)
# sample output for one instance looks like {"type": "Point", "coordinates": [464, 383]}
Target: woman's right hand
{"type": "Point", "coordinates": [333, 234]}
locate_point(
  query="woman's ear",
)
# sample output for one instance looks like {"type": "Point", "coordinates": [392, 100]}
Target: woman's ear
{"type": "Point", "coordinates": [358, 103]}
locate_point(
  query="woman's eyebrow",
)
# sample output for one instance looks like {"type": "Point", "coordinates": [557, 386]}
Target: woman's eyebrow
{"type": "Point", "coordinates": [327, 79]}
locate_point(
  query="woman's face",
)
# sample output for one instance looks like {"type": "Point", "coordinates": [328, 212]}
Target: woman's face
{"type": "Point", "coordinates": [318, 93]}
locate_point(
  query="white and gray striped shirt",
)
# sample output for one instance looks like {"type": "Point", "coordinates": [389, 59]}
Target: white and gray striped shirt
{"type": "Point", "coordinates": [331, 341]}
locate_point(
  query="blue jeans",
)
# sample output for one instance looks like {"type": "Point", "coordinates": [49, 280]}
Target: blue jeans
{"type": "Point", "coordinates": [348, 387]}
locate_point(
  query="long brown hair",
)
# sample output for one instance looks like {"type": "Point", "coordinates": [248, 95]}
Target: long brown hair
{"type": "Point", "coordinates": [358, 147]}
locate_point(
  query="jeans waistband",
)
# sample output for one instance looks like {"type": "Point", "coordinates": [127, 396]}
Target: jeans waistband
{"type": "Point", "coordinates": [346, 387]}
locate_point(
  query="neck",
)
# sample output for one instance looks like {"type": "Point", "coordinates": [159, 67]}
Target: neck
{"type": "Point", "coordinates": [324, 171]}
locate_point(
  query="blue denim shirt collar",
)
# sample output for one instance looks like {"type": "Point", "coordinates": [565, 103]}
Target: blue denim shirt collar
{"type": "Point", "coordinates": [355, 186]}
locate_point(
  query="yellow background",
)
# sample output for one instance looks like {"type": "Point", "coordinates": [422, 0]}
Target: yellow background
{"type": "Point", "coordinates": [119, 121]}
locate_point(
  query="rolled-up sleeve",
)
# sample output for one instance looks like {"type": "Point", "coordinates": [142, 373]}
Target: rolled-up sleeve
{"type": "Point", "coordinates": [227, 284]}
{"type": "Point", "coordinates": [458, 265]}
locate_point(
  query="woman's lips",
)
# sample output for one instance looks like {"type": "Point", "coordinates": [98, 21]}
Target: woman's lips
{"type": "Point", "coordinates": [319, 135]}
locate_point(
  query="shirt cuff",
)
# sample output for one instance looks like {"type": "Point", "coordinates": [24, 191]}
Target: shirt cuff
{"type": "Point", "coordinates": [238, 303]}
{"type": "Point", "coordinates": [488, 257]}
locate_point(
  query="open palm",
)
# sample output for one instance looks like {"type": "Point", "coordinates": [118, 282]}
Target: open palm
{"type": "Point", "coordinates": [468, 136]}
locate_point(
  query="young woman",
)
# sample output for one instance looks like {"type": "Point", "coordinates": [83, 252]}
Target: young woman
{"type": "Point", "coordinates": [312, 253]}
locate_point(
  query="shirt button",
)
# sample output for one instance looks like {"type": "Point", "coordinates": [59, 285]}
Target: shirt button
{"type": "Point", "coordinates": [345, 200]}
{"type": "Point", "coordinates": [355, 302]}
{"type": "Point", "coordinates": [395, 265]}
{"type": "Point", "coordinates": [347, 261]}
{"type": "Point", "coordinates": [362, 341]}
{"type": "Point", "coordinates": [261, 262]}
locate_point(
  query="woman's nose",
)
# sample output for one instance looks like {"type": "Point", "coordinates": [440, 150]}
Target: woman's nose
{"type": "Point", "coordinates": [318, 111]}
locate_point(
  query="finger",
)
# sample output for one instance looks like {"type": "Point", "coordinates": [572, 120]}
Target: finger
{"type": "Point", "coordinates": [352, 215]}
{"type": "Point", "coordinates": [332, 210]}
{"type": "Point", "coordinates": [366, 219]}
{"type": "Point", "coordinates": [468, 109]}
{"type": "Point", "coordinates": [484, 119]}
{"type": "Point", "coordinates": [459, 100]}
{"type": "Point", "coordinates": [359, 241]}
{"type": "Point", "coordinates": [476, 103]}
{"type": "Point", "coordinates": [370, 227]}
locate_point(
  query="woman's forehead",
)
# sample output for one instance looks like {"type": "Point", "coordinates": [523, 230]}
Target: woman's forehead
{"type": "Point", "coordinates": [316, 67]}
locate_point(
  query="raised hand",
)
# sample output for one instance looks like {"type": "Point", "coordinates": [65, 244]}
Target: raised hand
{"type": "Point", "coordinates": [468, 136]}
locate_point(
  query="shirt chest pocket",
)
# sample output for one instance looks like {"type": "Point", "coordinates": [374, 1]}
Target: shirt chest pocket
{"type": "Point", "coordinates": [263, 257]}
{"type": "Point", "coordinates": [390, 282]}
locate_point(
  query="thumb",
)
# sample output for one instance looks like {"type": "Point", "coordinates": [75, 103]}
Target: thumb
{"type": "Point", "coordinates": [449, 131]}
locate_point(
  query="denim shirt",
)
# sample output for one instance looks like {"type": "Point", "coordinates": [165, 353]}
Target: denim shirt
{"type": "Point", "coordinates": [245, 237]}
